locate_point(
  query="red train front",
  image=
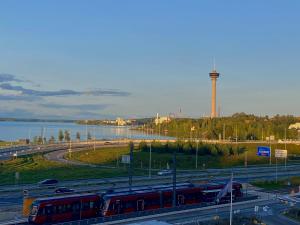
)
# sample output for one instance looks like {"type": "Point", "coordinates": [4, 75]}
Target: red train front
{"type": "Point", "coordinates": [66, 208]}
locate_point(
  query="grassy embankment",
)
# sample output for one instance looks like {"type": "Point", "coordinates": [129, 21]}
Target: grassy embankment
{"type": "Point", "coordinates": [110, 156]}
{"type": "Point", "coordinates": [293, 213]}
{"type": "Point", "coordinates": [34, 168]}
{"type": "Point", "coordinates": [5, 143]}
{"type": "Point", "coordinates": [281, 184]}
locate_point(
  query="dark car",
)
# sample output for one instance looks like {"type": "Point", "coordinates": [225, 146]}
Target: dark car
{"type": "Point", "coordinates": [64, 190]}
{"type": "Point", "coordinates": [48, 182]}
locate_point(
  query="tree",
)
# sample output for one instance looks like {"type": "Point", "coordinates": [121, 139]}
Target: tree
{"type": "Point", "coordinates": [67, 135]}
{"type": "Point", "coordinates": [89, 136]}
{"type": "Point", "coordinates": [78, 136]}
{"type": "Point", "coordinates": [60, 136]}
{"type": "Point", "coordinates": [52, 140]}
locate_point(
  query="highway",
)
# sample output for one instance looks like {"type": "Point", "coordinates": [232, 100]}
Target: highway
{"type": "Point", "coordinates": [11, 196]}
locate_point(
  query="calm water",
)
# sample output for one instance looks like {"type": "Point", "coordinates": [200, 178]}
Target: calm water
{"type": "Point", "coordinates": [10, 131]}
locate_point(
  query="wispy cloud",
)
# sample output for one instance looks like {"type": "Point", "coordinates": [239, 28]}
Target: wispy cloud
{"type": "Point", "coordinates": [78, 107]}
{"type": "Point", "coordinates": [32, 92]}
{"type": "Point", "coordinates": [5, 77]}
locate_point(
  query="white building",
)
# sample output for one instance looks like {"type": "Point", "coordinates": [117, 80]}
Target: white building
{"type": "Point", "coordinates": [120, 122]}
{"type": "Point", "coordinates": [295, 126]}
{"type": "Point", "coordinates": [160, 120]}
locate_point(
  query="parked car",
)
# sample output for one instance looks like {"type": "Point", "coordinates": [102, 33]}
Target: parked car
{"type": "Point", "coordinates": [64, 190]}
{"type": "Point", "coordinates": [48, 182]}
{"type": "Point", "coordinates": [164, 172]}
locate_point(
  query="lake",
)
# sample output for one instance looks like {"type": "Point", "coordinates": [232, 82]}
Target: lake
{"type": "Point", "coordinates": [10, 131]}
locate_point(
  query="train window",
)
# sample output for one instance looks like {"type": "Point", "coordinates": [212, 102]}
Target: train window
{"type": "Point", "coordinates": [41, 211]}
{"type": "Point", "coordinates": [92, 205]}
{"type": "Point", "coordinates": [129, 205]}
{"type": "Point", "coordinates": [85, 205]}
{"type": "Point", "coordinates": [76, 207]}
{"type": "Point", "coordinates": [34, 210]}
{"type": "Point", "coordinates": [68, 208]}
{"type": "Point", "coordinates": [55, 211]}
{"type": "Point", "coordinates": [48, 210]}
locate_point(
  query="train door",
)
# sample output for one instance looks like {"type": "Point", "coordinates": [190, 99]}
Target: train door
{"type": "Point", "coordinates": [48, 213]}
{"type": "Point", "coordinates": [180, 200]}
{"type": "Point", "coordinates": [118, 207]}
{"type": "Point", "coordinates": [140, 205]}
{"type": "Point", "coordinates": [76, 210]}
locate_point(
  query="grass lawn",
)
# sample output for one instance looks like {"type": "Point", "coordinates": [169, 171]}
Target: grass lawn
{"type": "Point", "coordinates": [35, 168]}
{"type": "Point", "coordinates": [293, 213]}
{"type": "Point", "coordinates": [110, 156]}
{"type": "Point", "coordinates": [272, 185]}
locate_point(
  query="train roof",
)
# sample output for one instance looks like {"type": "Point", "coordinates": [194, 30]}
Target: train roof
{"type": "Point", "coordinates": [64, 197]}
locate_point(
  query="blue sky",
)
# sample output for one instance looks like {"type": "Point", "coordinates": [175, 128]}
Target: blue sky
{"type": "Point", "coordinates": [134, 58]}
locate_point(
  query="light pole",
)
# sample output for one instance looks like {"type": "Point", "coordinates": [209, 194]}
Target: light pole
{"type": "Point", "coordinates": [94, 139]}
{"type": "Point", "coordinates": [86, 131]}
{"type": "Point", "coordinates": [150, 160]}
{"type": "Point", "coordinates": [224, 132]}
{"type": "Point", "coordinates": [70, 147]}
{"type": "Point", "coordinates": [197, 147]}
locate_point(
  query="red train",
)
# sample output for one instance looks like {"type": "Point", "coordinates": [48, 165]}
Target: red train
{"type": "Point", "coordinates": [122, 201]}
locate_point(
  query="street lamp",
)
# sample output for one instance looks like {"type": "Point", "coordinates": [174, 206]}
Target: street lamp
{"type": "Point", "coordinates": [197, 147]}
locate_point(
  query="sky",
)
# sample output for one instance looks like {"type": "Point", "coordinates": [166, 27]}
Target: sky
{"type": "Point", "coordinates": [134, 58]}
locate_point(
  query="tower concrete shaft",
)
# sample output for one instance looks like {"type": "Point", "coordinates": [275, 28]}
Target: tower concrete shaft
{"type": "Point", "coordinates": [214, 76]}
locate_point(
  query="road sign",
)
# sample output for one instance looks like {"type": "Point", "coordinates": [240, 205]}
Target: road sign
{"type": "Point", "coordinates": [263, 151]}
{"type": "Point", "coordinates": [279, 153]}
{"type": "Point", "coordinates": [126, 159]}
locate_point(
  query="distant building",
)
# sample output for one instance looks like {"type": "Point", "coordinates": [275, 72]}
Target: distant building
{"type": "Point", "coordinates": [163, 119]}
{"type": "Point", "coordinates": [295, 126]}
{"type": "Point", "coordinates": [120, 122]}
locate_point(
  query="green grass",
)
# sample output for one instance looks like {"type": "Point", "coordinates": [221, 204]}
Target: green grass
{"type": "Point", "coordinates": [35, 168]}
{"type": "Point", "coordinates": [293, 213]}
{"type": "Point", "coordinates": [281, 184]}
{"type": "Point", "coordinates": [109, 156]}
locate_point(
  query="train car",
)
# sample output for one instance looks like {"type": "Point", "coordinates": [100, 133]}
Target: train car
{"type": "Point", "coordinates": [211, 191]}
{"type": "Point", "coordinates": [124, 200]}
{"type": "Point", "coordinates": [162, 197]}
{"type": "Point", "coordinates": [65, 208]}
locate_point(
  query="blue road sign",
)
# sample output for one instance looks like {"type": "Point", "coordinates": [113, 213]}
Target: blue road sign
{"type": "Point", "coordinates": [263, 151]}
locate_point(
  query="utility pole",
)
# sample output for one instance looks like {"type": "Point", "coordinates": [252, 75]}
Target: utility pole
{"type": "Point", "coordinates": [70, 147]}
{"type": "Point", "coordinates": [236, 134]}
{"type": "Point", "coordinates": [150, 160]}
{"type": "Point", "coordinates": [285, 147]}
{"type": "Point", "coordinates": [131, 146]}
{"type": "Point", "coordinates": [94, 139]}
{"type": "Point", "coordinates": [174, 180]}
{"type": "Point", "coordinates": [224, 132]}
{"type": "Point", "coordinates": [197, 147]}
{"type": "Point", "coordinates": [231, 181]}
{"type": "Point", "coordinates": [246, 159]}
{"type": "Point", "coordinates": [270, 150]}
{"type": "Point", "coordinates": [86, 131]}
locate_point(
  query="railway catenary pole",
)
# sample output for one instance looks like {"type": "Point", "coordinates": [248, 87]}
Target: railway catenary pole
{"type": "Point", "coordinates": [131, 146]}
{"type": "Point", "coordinates": [174, 180]}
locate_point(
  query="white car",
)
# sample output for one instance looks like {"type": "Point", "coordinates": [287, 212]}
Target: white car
{"type": "Point", "coordinates": [164, 172]}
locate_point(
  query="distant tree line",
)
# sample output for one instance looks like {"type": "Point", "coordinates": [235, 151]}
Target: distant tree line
{"type": "Point", "coordinates": [63, 136]}
{"type": "Point", "coordinates": [240, 125]}
{"type": "Point", "coordinates": [190, 148]}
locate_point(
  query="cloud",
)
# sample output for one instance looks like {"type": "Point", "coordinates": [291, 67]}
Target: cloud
{"type": "Point", "coordinates": [31, 92]}
{"type": "Point", "coordinates": [5, 77]}
{"type": "Point", "coordinates": [79, 107]}
{"type": "Point", "coordinates": [18, 98]}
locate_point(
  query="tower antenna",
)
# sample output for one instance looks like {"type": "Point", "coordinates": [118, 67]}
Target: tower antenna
{"type": "Point", "coordinates": [214, 61]}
